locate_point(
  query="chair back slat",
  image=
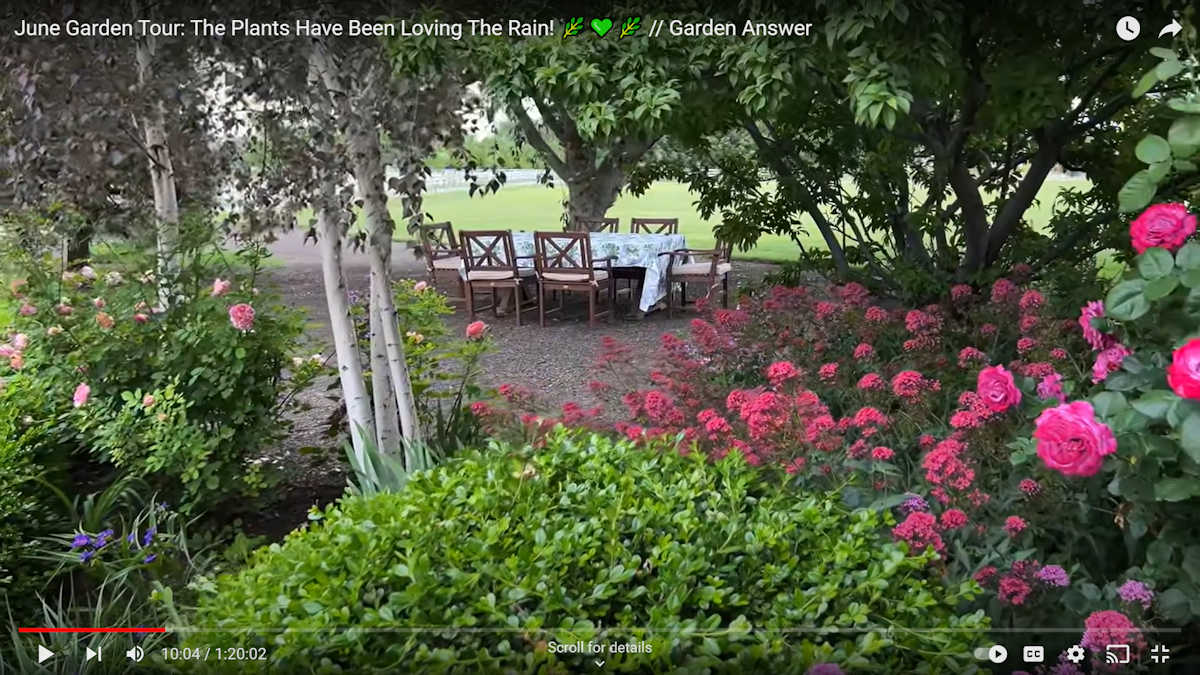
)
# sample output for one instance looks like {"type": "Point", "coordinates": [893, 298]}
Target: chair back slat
{"type": "Point", "coordinates": [654, 225]}
{"type": "Point", "coordinates": [596, 224]}
{"type": "Point", "coordinates": [564, 252]}
{"type": "Point", "coordinates": [489, 251]}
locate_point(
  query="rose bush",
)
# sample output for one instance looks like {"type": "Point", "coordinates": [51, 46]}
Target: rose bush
{"type": "Point", "coordinates": [99, 340]}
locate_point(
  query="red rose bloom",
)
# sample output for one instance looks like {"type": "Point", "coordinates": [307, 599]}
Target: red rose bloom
{"type": "Point", "coordinates": [1183, 375]}
{"type": "Point", "coordinates": [1162, 225]}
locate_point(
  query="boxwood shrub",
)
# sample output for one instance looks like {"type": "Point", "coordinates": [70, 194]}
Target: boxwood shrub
{"type": "Point", "coordinates": [495, 561]}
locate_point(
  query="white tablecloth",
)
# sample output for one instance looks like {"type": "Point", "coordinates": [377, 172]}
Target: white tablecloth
{"type": "Point", "coordinates": [630, 250]}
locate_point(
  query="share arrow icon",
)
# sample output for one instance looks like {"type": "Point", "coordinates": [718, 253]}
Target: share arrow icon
{"type": "Point", "coordinates": [1171, 29]}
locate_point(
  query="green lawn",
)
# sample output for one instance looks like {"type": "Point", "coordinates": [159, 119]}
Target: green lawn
{"type": "Point", "coordinates": [539, 208]}
{"type": "Point", "coordinates": [536, 207]}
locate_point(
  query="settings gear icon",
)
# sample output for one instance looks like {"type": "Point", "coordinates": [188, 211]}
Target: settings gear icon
{"type": "Point", "coordinates": [1075, 654]}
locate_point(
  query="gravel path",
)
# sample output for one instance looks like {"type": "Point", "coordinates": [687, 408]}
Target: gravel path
{"type": "Point", "coordinates": [553, 362]}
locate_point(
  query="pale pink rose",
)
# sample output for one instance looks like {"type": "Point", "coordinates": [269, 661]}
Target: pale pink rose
{"type": "Point", "coordinates": [140, 318]}
{"type": "Point", "coordinates": [996, 389]}
{"type": "Point", "coordinates": [99, 303]}
{"type": "Point", "coordinates": [16, 361]}
{"type": "Point", "coordinates": [87, 273]}
{"type": "Point", "coordinates": [476, 330]}
{"type": "Point", "coordinates": [148, 401]}
{"type": "Point", "coordinates": [1071, 440]}
{"type": "Point", "coordinates": [420, 286]}
{"type": "Point", "coordinates": [27, 309]}
{"type": "Point", "coordinates": [221, 287]}
{"type": "Point", "coordinates": [104, 320]}
{"type": "Point", "coordinates": [20, 341]}
{"type": "Point", "coordinates": [64, 309]}
{"type": "Point", "coordinates": [7, 351]}
{"type": "Point", "coordinates": [82, 392]}
{"type": "Point", "coordinates": [54, 330]}
{"type": "Point", "coordinates": [241, 316]}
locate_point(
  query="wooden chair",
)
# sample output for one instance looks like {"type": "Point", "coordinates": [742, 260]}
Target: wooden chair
{"type": "Point", "coordinates": [597, 224]}
{"type": "Point", "coordinates": [564, 263]}
{"type": "Point", "coordinates": [443, 257]}
{"type": "Point", "coordinates": [492, 264]}
{"type": "Point", "coordinates": [654, 225]}
{"type": "Point", "coordinates": [713, 270]}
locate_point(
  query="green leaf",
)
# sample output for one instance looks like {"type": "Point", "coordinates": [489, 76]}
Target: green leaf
{"type": "Point", "coordinates": [1191, 304]}
{"type": "Point", "coordinates": [1127, 300]}
{"type": "Point", "coordinates": [1188, 257]}
{"type": "Point", "coordinates": [1158, 171]}
{"type": "Point", "coordinates": [1158, 289]}
{"type": "Point", "coordinates": [1155, 263]}
{"type": "Point", "coordinates": [1109, 403]}
{"type": "Point", "coordinates": [1189, 436]}
{"type": "Point", "coordinates": [1184, 134]}
{"type": "Point", "coordinates": [1153, 148]}
{"type": "Point", "coordinates": [1191, 278]}
{"type": "Point", "coordinates": [1154, 404]}
{"type": "Point", "coordinates": [1137, 192]}
{"type": "Point", "coordinates": [1168, 69]}
{"type": "Point", "coordinates": [1164, 53]}
{"type": "Point", "coordinates": [1176, 489]}
{"type": "Point", "coordinates": [1146, 83]}
{"type": "Point", "coordinates": [1174, 605]}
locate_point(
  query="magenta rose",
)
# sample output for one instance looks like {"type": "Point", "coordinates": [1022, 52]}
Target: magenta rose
{"type": "Point", "coordinates": [1071, 440]}
{"type": "Point", "coordinates": [996, 388]}
{"type": "Point", "coordinates": [1183, 375]}
{"type": "Point", "coordinates": [1162, 225]}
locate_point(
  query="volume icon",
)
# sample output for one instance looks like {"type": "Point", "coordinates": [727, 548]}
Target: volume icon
{"type": "Point", "coordinates": [135, 653]}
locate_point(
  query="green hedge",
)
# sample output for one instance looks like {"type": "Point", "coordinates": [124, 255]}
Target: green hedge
{"type": "Point", "coordinates": [590, 539]}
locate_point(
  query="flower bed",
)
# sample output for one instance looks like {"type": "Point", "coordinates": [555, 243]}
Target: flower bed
{"type": "Point", "coordinates": [1055, 459]}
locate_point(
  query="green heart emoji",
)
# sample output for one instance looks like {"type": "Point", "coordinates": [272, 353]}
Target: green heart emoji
{"type": "Point", "coordinates": [601, 26]}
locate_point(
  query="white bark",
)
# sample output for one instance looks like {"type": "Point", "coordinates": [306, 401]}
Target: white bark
{"type": "Point", "coordinates": [345, 340]}
{"type": "Point", "coordinates": [387, 348]}
{"type": "Point", "coordinates": [387, 420]}
{"type": "Point", "coordinates": [162, 178]}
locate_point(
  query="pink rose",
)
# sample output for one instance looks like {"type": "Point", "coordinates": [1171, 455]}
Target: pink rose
{"type": "Point", "coordinates": [1071, 440]}
{"type": "Point", "coordinates": [1183, 375]}
{"type": "Point", "coordinates": [87, 273]}
{"type": "Point", "coordinates": [475, 330]}
{"type": "Point", "coordinates": [1108, 361]}
{"type": "Point", "coordinates": [27, 309]}
{"type": "Point", "coordinates": [16, 361]}
{"type": "Point", "coordinates": [220, 287]}
{"type": "Point", "coordinates": [104, 321]}
{"type": "Point", "coordinates": [140, 318]}
{"type": "Point", "coordinates": [1162, 225]}
{"type": "Point", "coordinates": [148, 401]}
{"type": "Point", "coordinates": [64, 310]}
{"type": "Point", "coordinates": [7, 351]}
{"type": "Point", "coordinates": [1093, 310]}
{"type": "Point", "coordinates": [420, 286]}
{"type": "Point", "coordinates": [20, 341]}
{"type": "Point", "coordinates": [99, 303]}
{"type": "Point", "coordinates": [996, 389]}
{"type": "Point", "coordinates": [82, 392]}
{"type": "Point", "coordinates": [241, 316]}
{"type": "Point", "coordinates": [1051, 387]}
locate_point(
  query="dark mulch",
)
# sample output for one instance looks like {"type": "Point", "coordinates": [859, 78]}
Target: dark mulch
{"type": "Point", "coordinates": [553, 362]}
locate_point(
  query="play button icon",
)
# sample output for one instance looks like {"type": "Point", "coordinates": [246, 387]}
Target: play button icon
{"type": "Point", "coordinates": [43, 653]}
{"type": "Point", "coordinates": [997, 654]}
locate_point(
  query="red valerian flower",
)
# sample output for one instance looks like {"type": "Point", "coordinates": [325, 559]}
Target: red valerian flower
{"type": "Point", "coordinates": [920, 530]}
{"type": "Point", "coordinates": [1162, 225]}
{"type": "Point", "coordinates": [1014, 525]}
{"type": "Point", "coordinates": [952, 519]}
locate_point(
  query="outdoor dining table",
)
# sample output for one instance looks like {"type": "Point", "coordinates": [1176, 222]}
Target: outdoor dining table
{"type": "Point", "coordinates": [628, 250]}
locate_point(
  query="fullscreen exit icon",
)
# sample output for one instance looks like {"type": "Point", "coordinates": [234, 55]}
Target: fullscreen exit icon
{"type": "Point", "coordinates": [1160, 654]}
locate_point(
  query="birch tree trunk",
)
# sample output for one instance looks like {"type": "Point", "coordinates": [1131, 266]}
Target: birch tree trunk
{"type": "Point", "coordinates": [345, 341]}
{"type": "Point", "coordinates": [162, 178]}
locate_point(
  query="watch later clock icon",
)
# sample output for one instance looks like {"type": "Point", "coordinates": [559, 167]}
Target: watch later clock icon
{"type": "Point", "coordinates": [1128, 28]}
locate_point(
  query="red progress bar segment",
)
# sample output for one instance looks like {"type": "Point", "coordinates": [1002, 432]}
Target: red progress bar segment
{"type": "Point", "coordinates": [23, 629]}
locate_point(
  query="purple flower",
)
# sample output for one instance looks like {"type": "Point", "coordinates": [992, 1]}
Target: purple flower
{"type": "Point", "coordinates": [86, 556]}
{"type": "Point", "coordinates": [102, 539]}
{"type": "Point", "coordinates": [1053, 575]}
{"type": "Point", "coordinates": [149, 559]}
{"type": "Point", "coordinates": [913, 504]}
{"type": "Point", "coordinates": [824, 669]}
{"type": "Point", "coordinates": [149, 536]}
{"type": "Point", "coordinates": [1136, 592]}
{"type": "Point", "coordinates": [131, 537]}
{"type": "Point", "coordinates": [81, 540]}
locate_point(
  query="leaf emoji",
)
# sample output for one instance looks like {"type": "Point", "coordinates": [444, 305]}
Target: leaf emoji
{"type": "Point", "coordinates": [631, 26]}
{"type": "Point", "coordinates": [573, 27]}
